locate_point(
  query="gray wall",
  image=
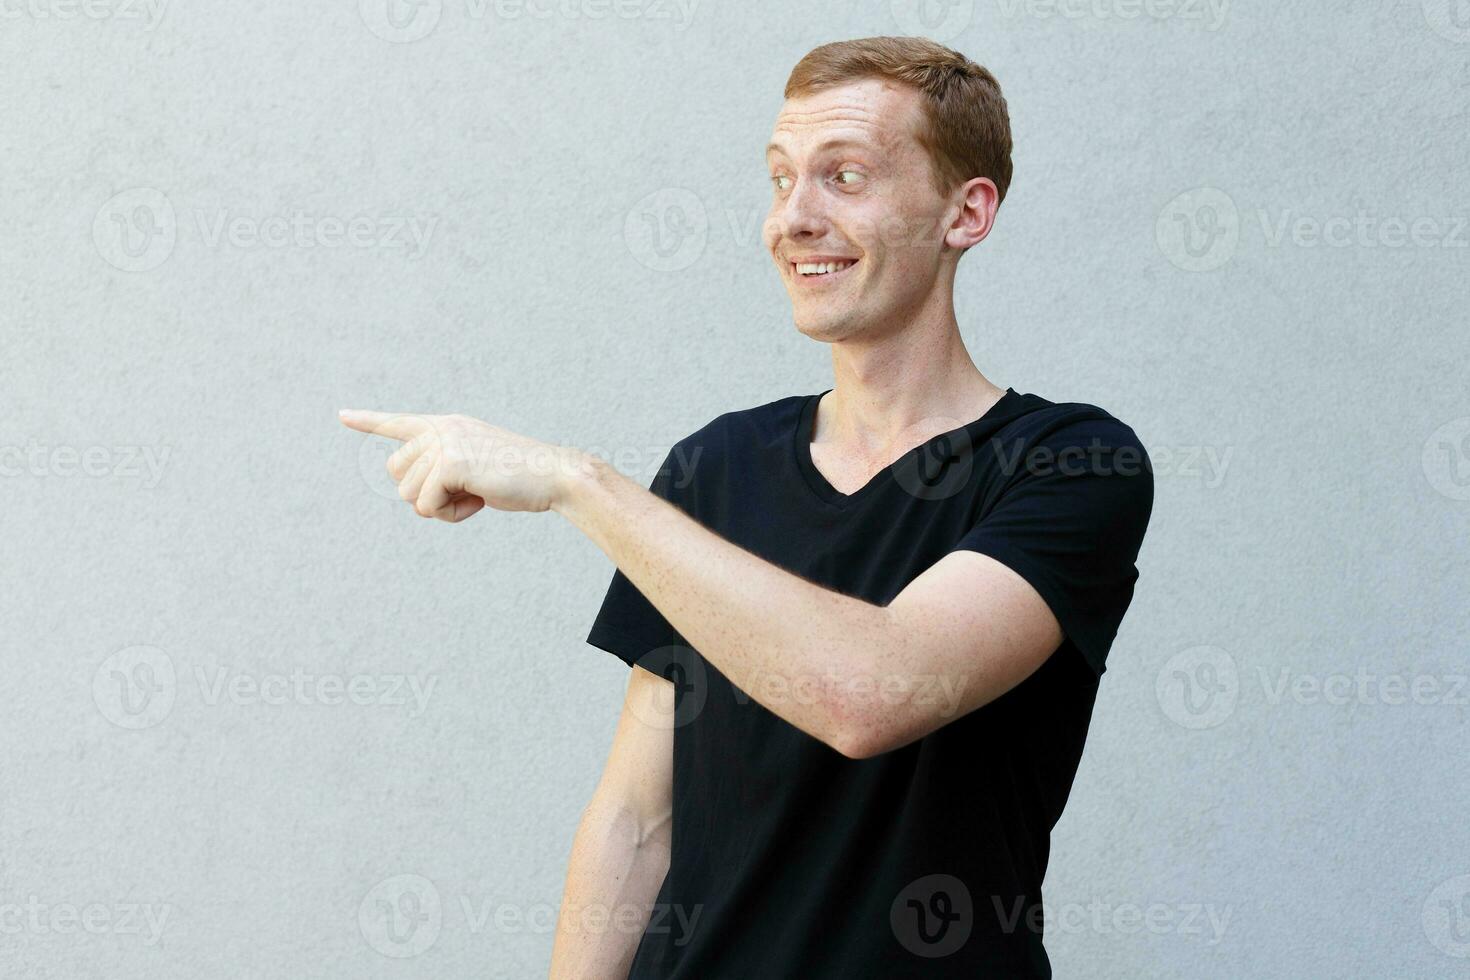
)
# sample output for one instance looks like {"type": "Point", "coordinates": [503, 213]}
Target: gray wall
{"type": "Point", "coordinates": [1241, 228]}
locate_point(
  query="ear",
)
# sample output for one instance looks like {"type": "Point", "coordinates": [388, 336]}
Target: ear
{"type": "Point", "coordinates": [977, 202]}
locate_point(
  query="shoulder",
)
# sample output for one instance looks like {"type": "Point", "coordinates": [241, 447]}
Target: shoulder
{"type": "Point", "coordinates": [745, 429]}
{"type": "Point", "coordinates": [1078, 452]}
{"type": "Point", "coordinates": [737, 438]}
{"type": "Point", "coordinates": [1045, 428]}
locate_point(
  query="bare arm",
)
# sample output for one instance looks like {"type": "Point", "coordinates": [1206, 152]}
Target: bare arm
{"type": "Point", "coordinates": [859, 677]}
{"type": "Point", "coordinates": [621, 850]}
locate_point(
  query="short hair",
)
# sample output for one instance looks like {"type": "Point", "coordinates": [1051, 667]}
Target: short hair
{"type": "Point", "coordinates": [968, 131]}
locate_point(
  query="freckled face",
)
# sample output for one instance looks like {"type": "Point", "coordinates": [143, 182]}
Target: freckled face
{"type": "Point", "coordinates": [856, 227]}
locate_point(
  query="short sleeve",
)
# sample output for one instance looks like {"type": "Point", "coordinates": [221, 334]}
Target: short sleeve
{"type": "Point", "coordinates": [1070, 520]}
{"type": "Point", "coordinates": [628, 626]}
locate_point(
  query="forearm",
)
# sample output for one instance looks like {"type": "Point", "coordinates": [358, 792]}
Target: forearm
{"type": "Point", "coordinates": [791, 644]}
{"type": "Point", "coordinates": [613, 879]}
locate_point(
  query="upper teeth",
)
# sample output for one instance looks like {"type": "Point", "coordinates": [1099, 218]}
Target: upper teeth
{"type": "Point", "coordinates": [814, 268]}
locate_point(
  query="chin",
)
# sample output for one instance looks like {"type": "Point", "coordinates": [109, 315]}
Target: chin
{"type": "Point", "coordinates": [826, 328]}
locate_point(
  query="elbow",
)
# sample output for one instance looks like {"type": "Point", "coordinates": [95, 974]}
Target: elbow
{"type": "Point", "coordinates": [864, 727]}
{"type": "Point", "coordinates": [856, 747]}
{"type": "Point", "coordinates": [859, 735]}
{"type": "Point", "coordinates": [859, 723]}
{"type": "Point", "coordinates": [870, 740]}
{"type": "Point", "coordinates": [849, 725]}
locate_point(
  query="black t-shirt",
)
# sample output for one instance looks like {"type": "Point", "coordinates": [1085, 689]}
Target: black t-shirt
{"type": "Point", "coordinates": [790, 860]}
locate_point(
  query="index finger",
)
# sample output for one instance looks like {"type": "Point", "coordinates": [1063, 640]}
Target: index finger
{"type": "Point", "coordinates": [390, 424]}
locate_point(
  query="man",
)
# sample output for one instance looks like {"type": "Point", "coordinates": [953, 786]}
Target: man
{"type": "Point", "coordinates": [867, 626]}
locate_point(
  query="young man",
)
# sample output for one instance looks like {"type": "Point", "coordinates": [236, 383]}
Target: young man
{"type": "Point", "coordinates": [866, 627]}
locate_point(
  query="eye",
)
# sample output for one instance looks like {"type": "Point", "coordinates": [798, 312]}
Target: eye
{"type": "Point", "coordinates": [778, 181]}
{"type": "Point", "coordinates": [853, 174]}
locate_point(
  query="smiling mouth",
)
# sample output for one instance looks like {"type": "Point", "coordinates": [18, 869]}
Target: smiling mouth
{"type": "Point", "coordinates": [821, 270]}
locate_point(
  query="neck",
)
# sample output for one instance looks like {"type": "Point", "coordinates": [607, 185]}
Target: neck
{"type": "Point", "coordinates": [900, 389]}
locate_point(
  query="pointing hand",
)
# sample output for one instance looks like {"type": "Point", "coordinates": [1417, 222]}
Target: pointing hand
{"type": "Point", "coordinates": [451, 466]}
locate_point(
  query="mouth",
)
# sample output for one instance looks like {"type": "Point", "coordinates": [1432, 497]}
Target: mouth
{"type": "Point", "coordinates": [822, 271]}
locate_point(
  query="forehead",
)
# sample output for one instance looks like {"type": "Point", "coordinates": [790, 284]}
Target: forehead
{"type": "Point", "coordinates": [870, 111]}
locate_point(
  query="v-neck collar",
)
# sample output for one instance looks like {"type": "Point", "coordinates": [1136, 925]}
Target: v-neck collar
{"type": "Point", "coordinates": [829, 494]}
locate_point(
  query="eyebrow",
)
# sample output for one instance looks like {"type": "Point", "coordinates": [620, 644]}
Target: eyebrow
{"type": "Point", "coordinates": [824, 145]}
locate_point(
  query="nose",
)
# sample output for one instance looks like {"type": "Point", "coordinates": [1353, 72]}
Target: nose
{"type": "Point", "coordinates": [803, 216]}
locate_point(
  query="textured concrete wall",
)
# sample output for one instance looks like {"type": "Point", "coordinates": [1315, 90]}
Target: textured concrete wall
{"type": "Point", "coordinates": [1239, 226]}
